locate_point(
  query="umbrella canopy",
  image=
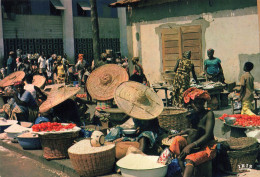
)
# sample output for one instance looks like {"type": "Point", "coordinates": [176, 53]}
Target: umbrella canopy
{"type": "Point", "coordinates": [12, 78]}
{"type": "Point", "coordinates": [38, 80]}
{"type": "Point", "coordinates": [57, 96]}
{"type": "Point", "coordinates": [138, 100]}
{"type": "Point", "coordinates": [103, 81]}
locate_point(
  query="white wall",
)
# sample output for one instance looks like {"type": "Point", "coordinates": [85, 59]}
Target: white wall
{"type": "Point", "coordinates": [230, 33]}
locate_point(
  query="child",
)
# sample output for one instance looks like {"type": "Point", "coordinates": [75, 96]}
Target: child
{"type": "Point", "coordinates": [247, 89]}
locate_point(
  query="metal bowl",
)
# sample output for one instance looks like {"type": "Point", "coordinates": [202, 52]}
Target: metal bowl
{"type": "Point", "coordinates": [129, 131]}
{"type": "Point", "coordinates": [230, 120]}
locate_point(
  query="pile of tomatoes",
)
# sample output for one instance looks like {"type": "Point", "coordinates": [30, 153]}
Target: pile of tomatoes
{"type": "Point", "coordinates": [244, 120]}
{"type": "Point", "coordinates": [81, 95]}
{"type": "Point", "coordinates": [52, 126]}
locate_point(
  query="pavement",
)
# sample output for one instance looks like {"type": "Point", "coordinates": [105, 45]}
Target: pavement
{"type": "Point", "coordinates": [65, 165]}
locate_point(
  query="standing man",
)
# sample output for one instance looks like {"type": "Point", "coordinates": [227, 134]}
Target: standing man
{"type": "Point", "coordinates": [11, 65]}
{"type": "Point", "coordinates": [42, 65]}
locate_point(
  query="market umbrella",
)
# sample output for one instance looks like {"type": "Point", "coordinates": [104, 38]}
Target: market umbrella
{"type": "Point", "coordinates": [38, 80]}
{"type": "Point", "coordinates": [57, 96]}
{"type": "Point", "coordinates": [12, 78]}
{"type": "Point", "coordinates": [103, 81]}
{"type": "Point", "coordinates": [138, 100]}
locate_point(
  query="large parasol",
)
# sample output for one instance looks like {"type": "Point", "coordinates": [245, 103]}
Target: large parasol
{"type": "Point", "coordinates": [138, 100]}
{"type": "Point", "coordinates": [12, 78]}
{"type": "Point", "coordinates": [57, 96]}
{"type": "Point", "coordinates": [103, 81]}
{"type": "Point", "coordinates": [39, 80]}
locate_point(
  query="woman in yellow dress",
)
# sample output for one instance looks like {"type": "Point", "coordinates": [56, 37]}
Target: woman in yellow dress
{"type": "Point", "coordinates": [60, 71]}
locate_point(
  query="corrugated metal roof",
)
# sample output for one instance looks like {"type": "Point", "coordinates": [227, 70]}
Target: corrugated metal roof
{"type": "Point", "coordinates": [123, 3]}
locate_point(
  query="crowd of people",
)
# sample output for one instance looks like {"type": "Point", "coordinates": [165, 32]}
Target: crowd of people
{"type": "Point", "coordinates": [200, 145]}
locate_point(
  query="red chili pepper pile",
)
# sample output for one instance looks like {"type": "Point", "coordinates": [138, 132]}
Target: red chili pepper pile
{"type": "Point", "coordinates": [51, 126]}
{"type": "Point", "coordinates": [243, 119]}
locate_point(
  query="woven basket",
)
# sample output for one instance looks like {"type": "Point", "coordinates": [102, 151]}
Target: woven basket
{"type": "Point", "coordinates": [55, 146]}
{"type": "Point", "coordinates": [94, 164]}
{"type": "Point", "coordinates": [243, 143]}
{"type": "Point", "coordinates": [236, 161]}
{"type": "Point", "coordinates": [174, 119]}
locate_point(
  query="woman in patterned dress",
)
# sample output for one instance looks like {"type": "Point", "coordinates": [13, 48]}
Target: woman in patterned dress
{"type": "Point", "coordinates": [181, 80]}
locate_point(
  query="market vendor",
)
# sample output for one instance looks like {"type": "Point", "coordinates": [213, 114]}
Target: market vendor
{"type": "Point", "coordinates": [181, 80]}
{"type": "Point", "coordinates": [200, 145]}
{"type": "Point", "coordinates": [213, 68]}
{"type": "Point", "coordinates": [23, 107]}
{"type": "Point", "coordinates": [247, 89]}
{"type": "Point", "coordinates": [35, 91]}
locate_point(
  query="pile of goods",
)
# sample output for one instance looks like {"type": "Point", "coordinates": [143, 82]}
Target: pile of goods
{"type": "Point", "coordinates": [84, 95]}
{"type": "Point", "coordinates": [52, 126]}
{"type": "Point", "coordinates": [243, 120]}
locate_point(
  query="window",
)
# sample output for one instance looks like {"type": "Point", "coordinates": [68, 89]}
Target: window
{"type": "Point", "coordinates": [177, 40]}
{"type": "Point", "coordinates": [53, 9]}
{"type": "Point", "coordinates": [83, 9]}
{"type": "Point", "coordinates": [17, 6]}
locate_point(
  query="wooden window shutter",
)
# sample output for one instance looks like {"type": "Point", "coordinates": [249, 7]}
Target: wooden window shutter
{"type": "Point", "coordinates": [191, 40]}
{"type": "Point", "coordinates": [171, 47]}
{"type": "Point", "coordinates": [177, 40]}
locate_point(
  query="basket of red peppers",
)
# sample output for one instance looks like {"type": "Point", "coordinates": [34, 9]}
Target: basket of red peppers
{"type": "Point", "coordinates": [52, 126]}
{"type": "Point", "coordinates": [56, 138]}
{"type": "Point", "coordinates": [243, 120]}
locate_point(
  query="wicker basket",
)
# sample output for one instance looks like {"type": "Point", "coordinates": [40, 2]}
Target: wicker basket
{"type": "Point", "coordinates": [243, 143]}
{"type": "Point", "coordinates": [55, 146]}
{"type": "Point", "coordinates": [94, 164]}
{"type": "Point", "coordinates": [174, 119]}
{"type": "Point", "coordinates": [237, 161]}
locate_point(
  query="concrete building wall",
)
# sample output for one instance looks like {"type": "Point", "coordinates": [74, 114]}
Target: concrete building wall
{"type": "Point", "coordinates": [43, 26]}
{"type": "Point", "coordinates": [232, 33]}
{"type": "Point", "coordinates": [33, 27]}
{"type": "Point", "coordinates": [108, 27]}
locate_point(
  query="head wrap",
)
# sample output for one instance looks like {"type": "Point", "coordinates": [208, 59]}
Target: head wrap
{"type": "Point", "coordinates": [135, 59]}
{"type": "Point", "coordinates": [187, 54]}
{"type": "Point", "coordinates": [193, 93]}
{"type": "Point", "coordinates": [210, 50]}
{"type": "Point", "coordinates": [18, 83]}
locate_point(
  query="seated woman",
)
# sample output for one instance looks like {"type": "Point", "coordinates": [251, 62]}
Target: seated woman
{"type": "Point", "coordinates": [213, 69]}
{"type": "Point", "coordinates": [200, 145]}
{"type": "Point", "coordinates": [24, 106]}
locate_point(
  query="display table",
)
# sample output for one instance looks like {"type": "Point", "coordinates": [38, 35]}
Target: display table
{"type": "Point", "coordinates": [156, 88]}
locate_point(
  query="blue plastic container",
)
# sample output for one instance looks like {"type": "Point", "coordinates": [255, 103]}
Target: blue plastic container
{"type": "Point", "coordinates": [30, 143]}
{"type": "Point", "coordinates": [75, 83]}
{"type": "Point", "coordinates": [3, 127]}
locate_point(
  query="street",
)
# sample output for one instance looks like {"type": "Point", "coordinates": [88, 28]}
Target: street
{"type": "Point", "coordinates": [13, 164]}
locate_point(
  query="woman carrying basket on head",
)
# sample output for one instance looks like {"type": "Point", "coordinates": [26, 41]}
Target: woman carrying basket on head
{"type": "Point", "coordinates": [200, 145]}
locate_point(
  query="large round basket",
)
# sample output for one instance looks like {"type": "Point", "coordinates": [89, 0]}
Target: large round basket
{"type": "Point", "coordinates": [55, 146]}
{"type": "Point", "coordinates": [174, 119]}
{"type": "Point", "coordinates": [240, 161]}
{"type": "Point", "coordinates": [242, 143]}
{"type": "Point", "coordinates": [93, 164]}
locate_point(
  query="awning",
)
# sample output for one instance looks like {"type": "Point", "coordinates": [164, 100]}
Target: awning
{"type": "Point", "coordinates": [84, 5]}
{"type": "Point", "coordinates": [123, 3]}
{"type": "Point", "coordinates": [57, 4]}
